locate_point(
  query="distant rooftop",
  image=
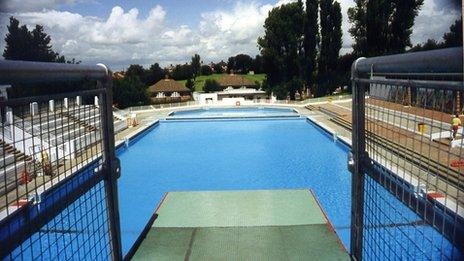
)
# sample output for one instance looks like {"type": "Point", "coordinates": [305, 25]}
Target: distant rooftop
{"type": "Point", "coordinates": [167, 85]}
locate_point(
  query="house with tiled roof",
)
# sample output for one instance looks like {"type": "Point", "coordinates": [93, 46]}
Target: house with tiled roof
{"type": "Point", "coordinates": [119, 75]}
{"type": "Point", "coordinates": [168, 90]}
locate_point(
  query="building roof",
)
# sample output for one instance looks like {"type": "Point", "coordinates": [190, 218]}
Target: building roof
{"type": "Point", "coordinates": [119, 75]}
{"type": "Point", "coordinates": [167, 85]}
{"type": "Point", "coordinates": [234, 80]}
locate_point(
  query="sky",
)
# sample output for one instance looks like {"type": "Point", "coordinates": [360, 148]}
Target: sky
{"type": "Point", "coordinates": [120, 33]}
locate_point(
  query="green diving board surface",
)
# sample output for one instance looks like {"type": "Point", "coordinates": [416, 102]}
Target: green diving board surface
{"type": "Point", "coordinates": [240, 225]}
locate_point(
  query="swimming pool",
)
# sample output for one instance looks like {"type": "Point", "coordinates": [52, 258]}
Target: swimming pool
{"type": "Point", "coordinates": [235, 154]}
{"type": "Point", "coordinates": [249, 154]}
{"type": "Point", "coordinates": [234, 112]}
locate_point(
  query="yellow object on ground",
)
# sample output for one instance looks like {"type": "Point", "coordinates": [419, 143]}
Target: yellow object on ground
{"type": "Point", "coordinates": [44, 156]}
{"type": "Point", "coordinates": [421, 127]}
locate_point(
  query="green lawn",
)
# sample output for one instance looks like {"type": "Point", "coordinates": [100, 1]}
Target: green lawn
{"type": "Point", "coordinates": [200, 81]}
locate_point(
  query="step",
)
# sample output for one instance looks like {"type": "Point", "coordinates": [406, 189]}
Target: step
{"type": "Point", "coordinates": [6, 160]}
{"type": "Point", "coordinates": [11, 174]}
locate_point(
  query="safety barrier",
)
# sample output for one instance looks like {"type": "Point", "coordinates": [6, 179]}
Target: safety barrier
{"type": "Point", "coordinates": [58, 190]}
{"type": "Point", "coordinates": [401, 113]}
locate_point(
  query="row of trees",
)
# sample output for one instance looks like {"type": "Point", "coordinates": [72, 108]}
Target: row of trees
{"type": "Point", "coordinates": [381, 27]}
{"type": "Point", "coordinates": [132, 89]}
{"type": "Point", "coordinates": [243, 63]}
{"type": "Point", "coordinates": [300, 47]}
{"type": "Point", "coordinates": [297, 51]}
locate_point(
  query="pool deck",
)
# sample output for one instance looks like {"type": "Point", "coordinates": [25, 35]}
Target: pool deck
{"type": "Point", "coordinates": [241, 225]}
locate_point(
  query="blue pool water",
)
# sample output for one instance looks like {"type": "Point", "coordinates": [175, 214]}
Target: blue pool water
{"type": "Point", "coordinates": [286, 153]}
{"type": "Point", "coordinates": [189, 155]}
{"type": "Point", "coordinates": [234, 112]}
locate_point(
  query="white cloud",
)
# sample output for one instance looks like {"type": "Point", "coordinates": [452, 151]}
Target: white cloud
{"type": "Point", "coordinates": [122, 36]}
{"type": "Point", "coordinates": [125, 37]}
{"type": "Point", "coordinates": [434, 19]}
{"type": "Point", "coordinates": [346, 38]}
{"type": "Point", "coordinates": [182, 36]}
{"type": "Point", "coordinates": [225, 33]}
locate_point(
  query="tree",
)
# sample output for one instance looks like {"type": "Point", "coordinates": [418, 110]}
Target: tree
{"type": "Point", "coordinates": [206, 70]}
{"type": "Point", "coordinates": [155, 73]}
{"type": "Point", "coordinates": [382, 27]}
{"type": "Point", "coordinates": [294, 85]}
{"type": "Point", "coordinates": [454, 37]}
{"type": "Point", "coordinates": [129, 91]}
{"type": "Point", "coordinates": [135, 70]}
{"type": "Point", "coordinates": [25, 45]}
{"type": "Point", "coordinates": [258, 64]}
{"type": "Point", "coordinates": [311, 32]}
{"type": "Point", "coordinates": [147, 76]}
{"type": "Point", "coordinates": [211, 86]}
{"type": "Point", "coordinates": [190, 85]}
{"type": "Point", "coordinates": [230, 64]}
{"type": "Point", "coordinates": [281, 48]}
{"type": "Point", "coordinates": [41, 47]}
{"type": "Point", "coordinates": [331, 43]}
{"type": "Point", "coordinates": [18, 41]}
{"type": "Point", "coordinates": [196, 65]}
{"type": "Point", "coordinates": [358, 29]}
{"type": "Point", "coordinates": [342, 73]}
{"type": "Point", "coordinates": [243, 63]}
{"type": "Point", "coordinates": [218, 68]}
{"type": "Point", "coordinates": [400, 29]}
{"type": "Point", "coordinates": [183, 72]}
{"type": "Point", "coordinates": [377, 14]}
{"type": "Point", "coordinates": [430, 44]}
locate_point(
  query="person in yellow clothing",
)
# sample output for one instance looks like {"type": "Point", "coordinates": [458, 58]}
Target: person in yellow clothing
{"type": "Point", "coordinates": [455, 124]}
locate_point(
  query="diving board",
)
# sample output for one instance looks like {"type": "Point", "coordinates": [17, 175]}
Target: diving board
{"type": "Point", "coordinates": [241, 225]}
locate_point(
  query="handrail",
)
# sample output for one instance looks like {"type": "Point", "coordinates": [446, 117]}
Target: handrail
{"type": "Point", "coordinates": [444, 61]}
{"type": "Point", "coordinates": [31, 72]}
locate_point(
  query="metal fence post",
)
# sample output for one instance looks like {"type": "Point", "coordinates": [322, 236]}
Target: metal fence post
{"type": "Point", "coordinates": [112, 169]}
{"type": "Point", "coordinates": [358, 152]}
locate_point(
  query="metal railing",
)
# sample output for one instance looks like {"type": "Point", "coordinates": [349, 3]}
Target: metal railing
{"type": "Point", "coordinates": [58, 167]}
{"type": "Point", "coordinates": [407, 188]}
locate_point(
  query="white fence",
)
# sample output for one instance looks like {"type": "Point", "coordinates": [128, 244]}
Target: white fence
{"type": "Point", "coordinates": [228, 103]}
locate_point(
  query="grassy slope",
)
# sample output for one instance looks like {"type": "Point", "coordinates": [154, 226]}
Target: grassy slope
{"type": "Point", "coordinates": [200, 81]}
